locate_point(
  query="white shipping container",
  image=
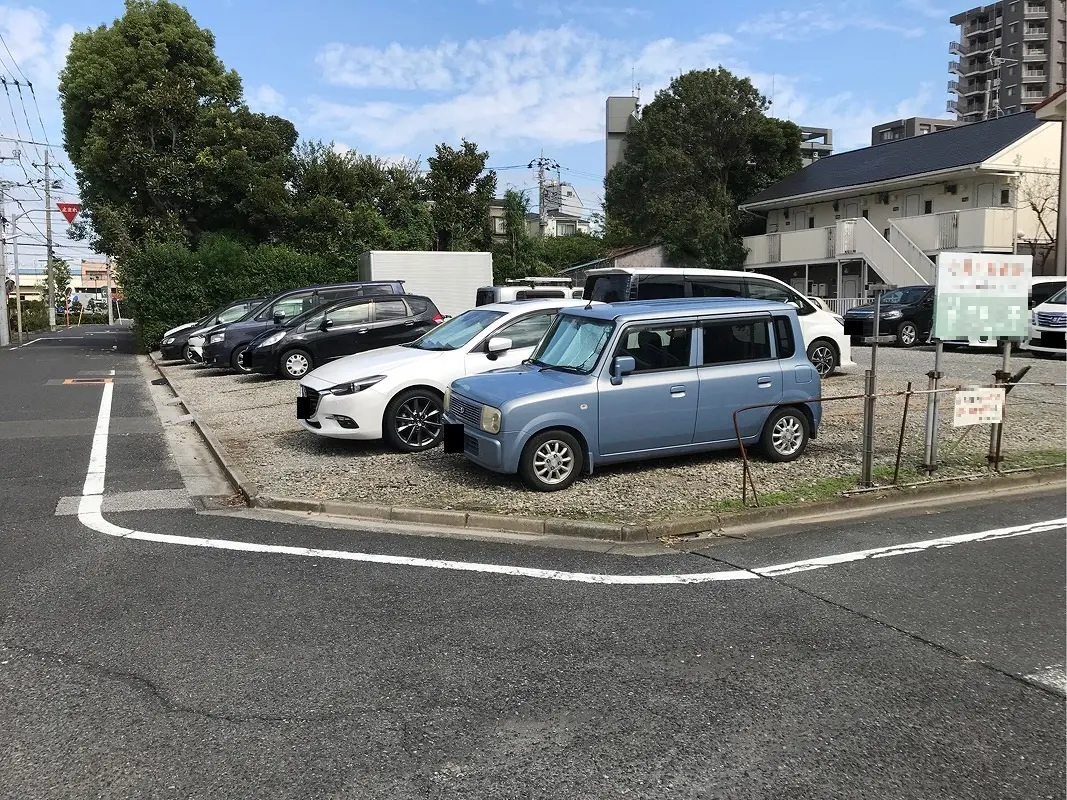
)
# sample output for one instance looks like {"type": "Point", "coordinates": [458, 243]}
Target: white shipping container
{"type": "Point", "coordinates": [451, 280]}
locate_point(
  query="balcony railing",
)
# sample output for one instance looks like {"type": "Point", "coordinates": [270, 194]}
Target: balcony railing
{"type": "Point", "coordinates": [1034, 95]}
{"type": "Point", "coordinates": [969, 230]}
{"type": "Point", "coordinates": [958, 49]}
{"type": "Point", "coordinates": [983, 47]}
{"type": "Point", "coordinates": [952, 107]}
{"type": "Point", "coordinates": [954, 66]}
{"type": "Point", "coordinates": [1035, 11]}
{"type": "Point", "coordinates": [954, 86]}
{"type": "Point", "coordinates": [1035, 53]}
{"type": "Point", "coordinates": [974, 88]}
{"type": "Point", "coordinates": [1035, 33]}
{"type": "Point", "coordinates": [839, 305]}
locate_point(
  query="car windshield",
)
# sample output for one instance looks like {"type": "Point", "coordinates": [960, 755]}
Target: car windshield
{"type": "Point", "coordinates": [904, 297]}
{"type": "Point", "coordinates": [457, 331]}
{"type": "Point", "coordinates": [1060, 298]}
{"type": "Point", "coordinates": [233, 314]}
{"type": "Point", "coordinates": [573, 344]}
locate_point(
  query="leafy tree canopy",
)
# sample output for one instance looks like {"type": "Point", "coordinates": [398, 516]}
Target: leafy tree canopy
{"type": "Point", "coordinates": [700, 148]}
{"type": "Point", "coordinates": [460, 190]}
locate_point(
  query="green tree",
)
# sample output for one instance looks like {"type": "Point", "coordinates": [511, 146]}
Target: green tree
{"type": "Point", "coordinates": [61, 278]}
{"type": "Point", "coordinates": [161, 144]}
{"type": "Point", "coordinates": [555, 253]}
{"type": "Point", "coordinates": [460, 190]}
{"type": "Point", "coordinates": [515, 257]}
{"type": "Point", "coordinates": [700, 148]}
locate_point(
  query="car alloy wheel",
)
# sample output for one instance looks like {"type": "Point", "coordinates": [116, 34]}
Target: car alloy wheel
{"type": "Point", "coordinates": [824, 358]}
{"type": "Point", "coordinates": [907, 334]}
{"type": "Point", "coordinates": [237, 361]}
{"type": "Point", "coordinates": [418, 422]}
{"type": "Point", "coordinates": [296, 364]}
{"type": "Point", "coordinates": [785, 435]}
{"type": "Point", "coordinates": [551, 460]}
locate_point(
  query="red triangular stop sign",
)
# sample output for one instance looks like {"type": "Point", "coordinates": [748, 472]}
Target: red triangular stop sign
{"type": "Point", "coordinates": [69, 210]}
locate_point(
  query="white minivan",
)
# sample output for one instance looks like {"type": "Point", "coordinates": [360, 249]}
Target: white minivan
{"type": "Point", "coordinates": [532, 288]}
{"type": "Point", "coordinates": [824, 334]}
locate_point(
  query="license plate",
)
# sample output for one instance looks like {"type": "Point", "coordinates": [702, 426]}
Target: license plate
{"type": "Point", "coordinates": [453, 439]}
{"type": "Point", "coordinates": [303, 407]}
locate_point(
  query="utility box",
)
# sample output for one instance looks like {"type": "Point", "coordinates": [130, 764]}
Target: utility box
{"type": "Point", "coordinates": [451, 280]}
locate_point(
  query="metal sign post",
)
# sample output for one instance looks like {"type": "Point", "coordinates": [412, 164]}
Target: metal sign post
{"type": "Point", "coordinates": [977, 296]}
{"type": "Point", "coordinates": [870, 387]}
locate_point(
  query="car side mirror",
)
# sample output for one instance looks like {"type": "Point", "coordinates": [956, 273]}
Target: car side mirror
{"type": "Point", "coordinates": [497, 346]}
{"type": "Point", "coordinates": [622, 365]}
{"type": "Point", "coordinates": [326, 324]}
{"type": "Point", "coordinates": [279, 316]}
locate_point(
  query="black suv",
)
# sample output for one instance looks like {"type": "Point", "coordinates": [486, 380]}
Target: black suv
{"type": "Point", "coordinates": [224, 345]}
{"type": "Point", "coordinates": [340, 329]}
{"type": "Point", "coordinates": [907, 313]}
{"type": "Point", "coordinates": [176, 346]}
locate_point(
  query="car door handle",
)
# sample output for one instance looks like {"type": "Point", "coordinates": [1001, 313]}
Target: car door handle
{"type": "Point", "coordinates": [677, 391]}
{"type": "Point", "coordinates": [764, 383]}
{"type": "Point", "coordinates": [410, 322]}
{"type": "Point", "coordinates": [363, 330]}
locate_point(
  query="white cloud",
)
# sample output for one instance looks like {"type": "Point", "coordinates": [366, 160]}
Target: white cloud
{"type": "Point", "coordinates": [817, 20]}
{"type": "Point", "coordinates": [926, 9]}
{"type": "Point", "coordinates": [546, 86]}
{"type": "Point", "coordinates": [38, 50]}
{"type": "Point", "coordinates": [266, 99]}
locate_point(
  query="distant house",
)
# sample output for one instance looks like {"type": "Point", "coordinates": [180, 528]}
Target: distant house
{"type": "Point", "coordinates": [881, 214]}
{"type": "Point", "coordinates": [653, 255]}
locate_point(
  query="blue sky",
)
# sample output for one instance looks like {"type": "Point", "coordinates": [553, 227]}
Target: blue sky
{"type": "Point", "coordinates": [520, 77]}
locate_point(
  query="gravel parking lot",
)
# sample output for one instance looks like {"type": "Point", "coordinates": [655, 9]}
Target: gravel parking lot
{"type": "Point", "coordinates": [255, 419]}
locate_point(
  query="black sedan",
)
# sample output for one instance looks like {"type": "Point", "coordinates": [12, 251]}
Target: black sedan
{"type": "Point", "coordinates": [907, 314]}
{"type": "Point", "coordinates": [176, 346]}
{"type": "Point", "coordinates": [340, 329]}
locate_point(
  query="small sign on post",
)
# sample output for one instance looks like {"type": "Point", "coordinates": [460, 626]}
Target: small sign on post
{"type": "Point", "coordinates": [978, 406]}
{"type": "Point", "coordinates": [69, 211]}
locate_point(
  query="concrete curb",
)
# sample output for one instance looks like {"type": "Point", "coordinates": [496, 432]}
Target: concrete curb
{"type": "Point", "coordinates": [891, 498]}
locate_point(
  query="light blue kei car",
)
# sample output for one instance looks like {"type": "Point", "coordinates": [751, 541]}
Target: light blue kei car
{"type": "Point", "coordinates": [636, 380]}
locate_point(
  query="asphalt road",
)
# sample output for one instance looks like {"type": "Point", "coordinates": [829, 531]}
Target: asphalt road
{"type": "Point", "coordinates": [175, 669]}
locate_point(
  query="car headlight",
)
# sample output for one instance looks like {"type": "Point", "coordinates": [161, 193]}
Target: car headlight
{"type": "Point", "coordinates": [448, 398]}
{"type": "Point", "coordinates": [490, 419]}
{"type": "Point", "coordinates": [274, 338]}
{"type": "Point", "coordinates": [1033, 318]}
{"type": "Point", "coordinates": [355, 386]}
{"type": "Point", "coordinates": [894, 314]}
{"type": "Point", "coordinates": [216, 337]}
{"type": "Point", "coordinates": [169, 340]}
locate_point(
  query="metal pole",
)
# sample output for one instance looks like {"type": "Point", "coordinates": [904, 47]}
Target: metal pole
{"type": "Point", "coordinates": [870, 386]}
{"type": "Point", "coordinates": [5, 325]}
{"type": "Point", "coordinates": [930, 454]}
{"type": "Point", "coordinates": [1002, 376]}
{"type": "Point", "coordinates": [900, 441]}
{"type": "Point", "coordinates": [110, 318]}
{"type": "Point", "coordinates": [18, 281]}
{"type": "Point", "coordinates": [48, 242]}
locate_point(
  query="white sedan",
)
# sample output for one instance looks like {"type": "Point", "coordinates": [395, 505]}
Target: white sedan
{"type": "Point", "coordinates": [396, 393]}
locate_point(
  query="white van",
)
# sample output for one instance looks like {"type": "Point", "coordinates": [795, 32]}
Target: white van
{"type": "Point", "coordinates": [824, 334]}
{"type": "Point", "coordinates": [530, 288]}
{"type": "Point", "coordinates": [1048, 326]}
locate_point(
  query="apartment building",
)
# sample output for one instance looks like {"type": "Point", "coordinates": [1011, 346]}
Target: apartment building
{"type": "Point", "coordinates": [1009, 57]}
{"type": "Point", "coordinates": [906, 128]}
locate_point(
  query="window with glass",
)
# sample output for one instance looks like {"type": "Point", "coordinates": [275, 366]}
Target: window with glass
{"type": "Point", "coordinates": [527, 331]}
{"type": "Point", "coordinates": [573, 344]}
{"type": "Point", "coordinates": [607, 288]}
{"type": "Point", "coordinates": [784, 340]}
{"type": "Point", "coordinates": [657, 347]}
{"type": "Point", "coordinates": [660, 287]}
{"type": "Point", "coordinates": [457, 331]}
{"type": "Point", "coordinates": [385, 310]}
{"type": "Point", "coordinates": [709, 286]}
{"type": "Point", "coordinates": [732, 341]}
{"type": "Point", "coordinates": [350, 315]}
{"type": "Point", "coordinates": [233, 314]}
{"type": "Point", "coordinates": [292, 306]}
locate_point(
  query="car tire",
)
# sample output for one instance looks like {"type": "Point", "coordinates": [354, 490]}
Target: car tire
{"type": "Point", "coordinates": [235, 360]}
{"type": "Point", "coordinates": [785, 435]}
{"type": "Point", "coordinates": [551, 461]}
{"type": "Point", "coordinates": [187, 355]}
{"type": "Point", "coordinates": [295, 364]}
{"type": "Point", "coordinates": [907, 334]}
{"type": "Point", "coordinates": [414, 421]}
{"type": "Point", "coordinates": [823, 354]}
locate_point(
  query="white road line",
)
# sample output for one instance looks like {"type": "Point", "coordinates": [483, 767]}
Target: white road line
{"type": "Point", "coordinates": [89, 514]}
{"type": "Point", "coordinates": [910, 547]}
{"type": "Point", "coordinates": [1054, 677]}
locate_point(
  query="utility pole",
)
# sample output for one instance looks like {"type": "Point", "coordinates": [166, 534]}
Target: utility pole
{"type": "Point", "coordinates": [51, 279]}
{"type": "Point", "coordinates": [110, 318]}
{"type": "Point", "coordinates": [542, 164]}
{"type": "Point", "coordinates": [5, 326]}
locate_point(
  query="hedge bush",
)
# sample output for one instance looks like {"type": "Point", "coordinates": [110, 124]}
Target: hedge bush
{"type": "Point", "coordinates": [165, 285]}
{"type": "Point", "coordinates": [35, 316]}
